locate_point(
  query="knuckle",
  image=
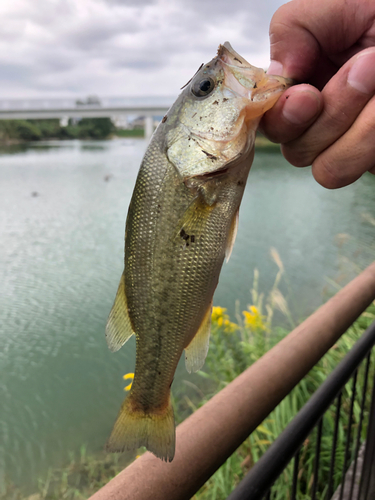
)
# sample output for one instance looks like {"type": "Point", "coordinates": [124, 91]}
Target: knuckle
{"type": "Point", "coordinates": [297, 156]}
{"type": "Point", "coordinates": [328, 173]}
{"type": "Point", "coordinates": [336, 115]}
{"type": "Point", "coordinates": [279, 19]}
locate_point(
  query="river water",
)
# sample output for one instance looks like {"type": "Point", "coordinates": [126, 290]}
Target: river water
{"type": "Point", "coordinates": [62, 214]}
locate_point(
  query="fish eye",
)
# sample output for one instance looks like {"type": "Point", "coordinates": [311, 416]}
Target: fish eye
{"type": "Point", "coordinates": [203, 86]}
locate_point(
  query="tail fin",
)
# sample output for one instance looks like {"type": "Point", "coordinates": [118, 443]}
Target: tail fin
{"type": "Point", "coordinates": [154, 430]}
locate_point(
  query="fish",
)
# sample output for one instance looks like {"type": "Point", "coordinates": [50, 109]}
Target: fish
{"type": "Point", "coordinates": [181, 225]}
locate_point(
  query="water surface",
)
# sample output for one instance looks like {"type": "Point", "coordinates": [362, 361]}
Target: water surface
{"type": "Point", "coordinates": [62, 214]}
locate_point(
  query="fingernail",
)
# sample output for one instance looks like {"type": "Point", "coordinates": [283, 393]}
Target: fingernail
{"type": "Point", "coordinates": [301, 107]}
{"type": "Point", "coordinates": [362, 74]}
{"type": "Point", "coordinates": [276, 68]}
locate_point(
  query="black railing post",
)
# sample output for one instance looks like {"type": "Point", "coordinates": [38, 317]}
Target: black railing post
{"type": "Point", "coordinates": [334, 447]}
{"type": "Point", "coordinates": [348, 435]}
{"type": "Point", "coordinates": [367, 486]}
{"type": "Point", "coordinates": [355, 490]}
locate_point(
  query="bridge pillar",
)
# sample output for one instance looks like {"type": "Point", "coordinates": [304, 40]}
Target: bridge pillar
{"type": "Point", "coordinates": [149, 127]}
{"type": "Point", "coordinates": [64, 121]}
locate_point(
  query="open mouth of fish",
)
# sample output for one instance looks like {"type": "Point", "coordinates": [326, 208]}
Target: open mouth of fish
{"type": "Point", "coordinates": [247, 81]}
{"type": "Point", "coordinates": [257, 92]}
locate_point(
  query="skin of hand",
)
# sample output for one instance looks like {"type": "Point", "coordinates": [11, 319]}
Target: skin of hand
{"type": "Point", "coordinates": [328, 121]}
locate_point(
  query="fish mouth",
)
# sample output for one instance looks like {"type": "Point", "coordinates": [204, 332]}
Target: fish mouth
{"type": "Point", "coordinates": [249, 82]}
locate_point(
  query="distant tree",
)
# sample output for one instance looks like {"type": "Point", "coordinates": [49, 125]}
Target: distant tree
{"type": "Point", "coordinates": [95, 128]}
{"type": "Point", "coordinates": [27, 131]}
{"type": "Point", "coordinates": [49, 129]}
{"type": "Point", "coordinates": [35, 130]}
{"type": "Point", "coordinates": [69, 132]}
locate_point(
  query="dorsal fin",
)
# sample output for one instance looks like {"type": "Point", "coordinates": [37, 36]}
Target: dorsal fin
{"type": "Point", "coordinates": [119, 328]}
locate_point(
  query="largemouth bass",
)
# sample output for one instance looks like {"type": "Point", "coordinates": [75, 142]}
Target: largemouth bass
{"type": "Point", "coordinates": [181, 224]}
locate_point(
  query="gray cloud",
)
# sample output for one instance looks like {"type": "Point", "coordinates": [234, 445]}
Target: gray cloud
{"type": "Point", "coordinates": [117, 47]}
{"type": "Point", "coordinates": [94, 35]}
{"type": "Point", "coordinates": [128, 3]}
{"type": "Point", "coordinates": [10, 73]}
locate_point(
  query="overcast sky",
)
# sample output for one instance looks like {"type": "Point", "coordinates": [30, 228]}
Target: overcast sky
{"type": "Point", "coordinates": [62, 48]}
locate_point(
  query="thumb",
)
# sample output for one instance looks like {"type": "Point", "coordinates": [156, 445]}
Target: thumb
{"type": "Point", "coordinates": [295, 52]}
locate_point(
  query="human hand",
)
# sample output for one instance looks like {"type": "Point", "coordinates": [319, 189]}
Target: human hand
{"type": "Point", "coordinates": [329, 44]}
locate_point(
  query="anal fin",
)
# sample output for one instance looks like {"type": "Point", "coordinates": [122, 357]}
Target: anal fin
{"type": "Point", "coordinates": [232, 235]}
{"type": "Point", "coordinates": [196, 351]}
{"type": "Point", "coordinates": [119, 328]}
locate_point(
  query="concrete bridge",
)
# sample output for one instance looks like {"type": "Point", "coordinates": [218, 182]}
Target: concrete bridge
{"type": "Point", "coordinates": [90, 107]}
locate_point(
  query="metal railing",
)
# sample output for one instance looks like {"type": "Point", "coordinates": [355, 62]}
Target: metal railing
{"type": "Point", "coordinates": [327, 401]}
{"type": "Point", "coordinates": [211, 434]}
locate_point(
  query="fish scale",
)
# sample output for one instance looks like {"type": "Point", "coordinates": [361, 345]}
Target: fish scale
{"type": "Point", "coordinates": [181, 223]}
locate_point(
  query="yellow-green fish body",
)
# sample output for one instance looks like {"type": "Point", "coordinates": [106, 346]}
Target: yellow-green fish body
{"type": "Point", "coordinates": [182, 222]}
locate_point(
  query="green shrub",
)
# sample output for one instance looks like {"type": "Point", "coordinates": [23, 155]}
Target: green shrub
{"type": "Point", "coordinates": [35, 130]}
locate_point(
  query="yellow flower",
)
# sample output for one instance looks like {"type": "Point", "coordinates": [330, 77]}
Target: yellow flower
{"type": "Point", "coordinates": [218, 313]}
{"type": "Point", "coordinates": [229, 327]}
{"type": "Point", "coordinates": [253, 319]}
{"type": "Point", "coordinates": [126, 377]}
{"type": "Point", "coordinates": [221, 319]}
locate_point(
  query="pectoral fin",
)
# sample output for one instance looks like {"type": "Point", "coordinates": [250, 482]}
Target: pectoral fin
{"type": "Point", "coordinates": [119, 328]}
{"type": "Point", "coordinates": [232, 235]}
{"type": "Point", "coordinates": [194, 220]}
{"type": "Point", "coordinates": [196, 351]}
